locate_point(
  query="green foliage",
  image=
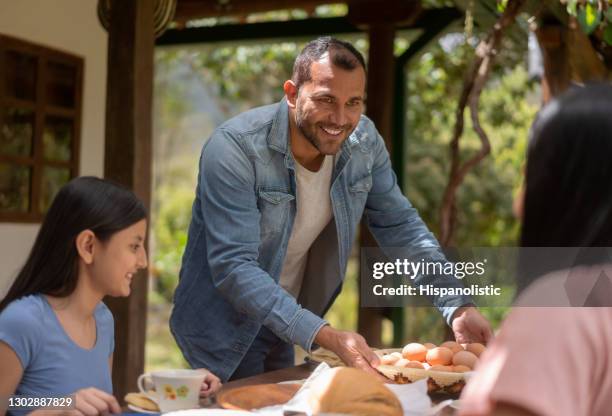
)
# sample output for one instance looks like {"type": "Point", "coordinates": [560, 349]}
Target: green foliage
{"type": "Point", "coordinates": [507, 107]}
{"type": "Point", "coordinates": [589, 18]}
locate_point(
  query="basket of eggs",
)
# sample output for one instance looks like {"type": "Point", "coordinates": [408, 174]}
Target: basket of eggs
{"type": "Point", "coordinates": [446, 366]}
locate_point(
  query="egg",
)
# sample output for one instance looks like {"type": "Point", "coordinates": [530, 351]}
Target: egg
{"type": "Point", "coordinates": [465, 358]}
{"type": "Point", "coordinates": [414, 352]}
{"type": "Point", "coordinates": [476, 348]}
{"type": "Point", "coordinates": [439, 356]}
{"type": "Point", "coordinates": [461, 369]}
{"type": "Point", "coordinates": [397, 354]}
{"type": "Point", "coordinates": [429, 345]}
{"type": "Point", "coordinates": [440, 368]}
{"type": "Point", "coordinates": [453, 346]}
{"type": "Point", "coordinates": [402, 362]}
{"type": "Point", "coordinates": [414, 364]}
{"type": "Point", "coordinates": [388, 359]}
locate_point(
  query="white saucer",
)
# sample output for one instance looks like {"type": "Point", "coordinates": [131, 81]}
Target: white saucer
{"type": "Point", "coordinates": [141, 410]}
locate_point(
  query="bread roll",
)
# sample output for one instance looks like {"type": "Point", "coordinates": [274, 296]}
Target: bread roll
{"type": "Point", "coordinates": [354, 392]}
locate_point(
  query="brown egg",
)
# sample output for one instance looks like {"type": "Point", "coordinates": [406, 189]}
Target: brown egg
{"type": "Point", "coordinates": [439, 356]}
{"type": "Point", "coordinates": [388, 359]}
{"type": "Point", "coordinates": [440, 368]}
{"type": "Point", "coordinates": [461, 369]}
{"type": "Point", "coordinates": [414, 364]}
{"type": "Point", "coordinates": [414, 352]}
{"type": "Point", "coordinates": [429, 345]}
{"type": "Point", "coordinates": [476, 348]}
{"type": "Point", "coordinates": [402, 362]}
{"type": "Point", "coordinates": [453, 346]}
{"type": "Point", "coordinates": [465, 358]}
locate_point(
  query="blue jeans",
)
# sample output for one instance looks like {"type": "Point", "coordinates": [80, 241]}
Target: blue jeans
{"type": "Point", "coordinates": [267, 353]}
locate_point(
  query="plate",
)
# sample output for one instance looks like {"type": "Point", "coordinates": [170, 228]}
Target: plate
{"type": "Point", "coordinates": [141, 410]}
{"type": "Point", "coordinates": [257, 396]}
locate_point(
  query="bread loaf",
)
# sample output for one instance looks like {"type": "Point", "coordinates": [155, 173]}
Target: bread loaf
{"type": "Point", "coordinates": [353, 392]}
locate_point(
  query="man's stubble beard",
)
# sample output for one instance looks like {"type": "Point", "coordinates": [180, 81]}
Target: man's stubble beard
{"type": "Point", "coordinates": [311, 135]}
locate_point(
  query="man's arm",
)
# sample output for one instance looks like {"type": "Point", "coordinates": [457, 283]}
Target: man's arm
{"type": "Point", "coordinates": [232, 232]}
{"type": "Point", "coordinates": [394, 222]}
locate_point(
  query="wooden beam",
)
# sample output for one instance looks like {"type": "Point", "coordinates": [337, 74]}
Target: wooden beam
{"type": "Point", "coordinates": [127, 160]}
{"type": "Point", "coordinates": [293, 28]}
{"type": "Point", "coordinates": [257, 31]}
{"type": "Point", "coordinates": [379, 108]}
{"type": "Point", "coordinates": [198, 9]}
{"type": "Point", "coordinates": [368, 12]}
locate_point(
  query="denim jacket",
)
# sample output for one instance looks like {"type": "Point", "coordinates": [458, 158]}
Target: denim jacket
{"type": "Point", "coordinates": [242, 218]}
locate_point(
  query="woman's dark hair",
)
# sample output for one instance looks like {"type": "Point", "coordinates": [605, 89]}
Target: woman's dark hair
{"type": "Point", "coordinates": [85, 203]}
{"type": "Point", "coordinates": [568, 186]}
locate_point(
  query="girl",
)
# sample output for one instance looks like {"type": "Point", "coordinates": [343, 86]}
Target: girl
{"type": "Point", "coordinates": [556, 360]}
{"type": "Point", "coordinates": [56, 335]}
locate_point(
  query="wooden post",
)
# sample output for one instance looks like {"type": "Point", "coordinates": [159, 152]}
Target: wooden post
{"type": "Point", "coordinates": [381, 77]}
{"type": "Point", "coordinates": [127, 160]}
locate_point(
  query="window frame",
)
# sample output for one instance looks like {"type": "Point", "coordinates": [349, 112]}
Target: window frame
{"type": "Point", "coordinates": [41, 109]}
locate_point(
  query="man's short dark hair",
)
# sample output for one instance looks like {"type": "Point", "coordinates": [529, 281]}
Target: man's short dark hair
{"type": "Point", "coordinates": [341, 54]}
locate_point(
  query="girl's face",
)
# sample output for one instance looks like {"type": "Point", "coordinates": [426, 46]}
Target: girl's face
{"type": "Point", "coordinates": [116, 261]}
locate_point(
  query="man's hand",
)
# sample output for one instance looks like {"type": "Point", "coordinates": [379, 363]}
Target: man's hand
{"type": "Point", "coordinates": [470, 326]}
{"type": "Point", "coordinates": [350, 347]}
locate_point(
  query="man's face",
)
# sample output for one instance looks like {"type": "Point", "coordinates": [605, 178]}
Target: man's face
{"type": "Point", "coordinates": [328, 106]}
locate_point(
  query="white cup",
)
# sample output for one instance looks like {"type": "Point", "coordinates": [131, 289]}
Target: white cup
{"type": "Point", "coordinates": [174, 389]}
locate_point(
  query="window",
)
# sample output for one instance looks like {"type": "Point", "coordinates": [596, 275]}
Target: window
{"type": "Point", "coordinates": [40, 118]}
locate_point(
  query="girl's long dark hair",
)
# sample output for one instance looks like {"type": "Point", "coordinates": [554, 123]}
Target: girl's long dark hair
{"type": "Point", "coordinates": [568, 194]}
{"type": "Point", "coordinates": [85, 203]}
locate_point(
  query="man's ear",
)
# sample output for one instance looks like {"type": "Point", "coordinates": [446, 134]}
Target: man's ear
{"type": "Point", "coordinates": [85, 245]}
{"type": "Point", "coordinates": [291, 92]}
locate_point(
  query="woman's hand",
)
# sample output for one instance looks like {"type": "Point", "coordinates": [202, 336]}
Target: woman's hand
{"type": "Point", "coordinates": [210, 385]}
{"type": "Point", "coordinates": [93, 402]}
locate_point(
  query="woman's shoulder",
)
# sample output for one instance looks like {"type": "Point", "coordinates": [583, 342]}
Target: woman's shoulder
{"type": "Point", "coordinates": [25, 312]}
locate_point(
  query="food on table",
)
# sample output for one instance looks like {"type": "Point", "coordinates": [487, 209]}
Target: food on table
{"type": "Point", "coordinates": [443, 366]}
{"type": "Point", "coordinates": [475, 348]}
{"type": "Point", "coordinates": [439, 356]}
{"type": "Point", "coordinates": [465, 358]}
{"type": "Point", "coordinates": [338, 392]}
{"type": "Point", "coordinates": [390, 359]}
{"type": "Point", "coordinates": [141, 401]}
{"type": "Point", "coordinates": [414, 351]}
{"type": "Point", "coordinates": [453, 346]}
{"type": "Point", "coordinates": [461, 369]}
{"type": "Point", "coordinates": [440, 368]}
{"type": "Point", "coordinates": [414, 364]}
{"type": "Point", "coordinates": [402, 362]}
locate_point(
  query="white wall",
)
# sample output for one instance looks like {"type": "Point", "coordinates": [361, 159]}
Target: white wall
{"type": "Point", "coordinates": [71, 26]}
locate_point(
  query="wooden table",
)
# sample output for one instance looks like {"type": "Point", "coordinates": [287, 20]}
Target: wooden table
{"type": "Point", "coordinates": [300, 372]}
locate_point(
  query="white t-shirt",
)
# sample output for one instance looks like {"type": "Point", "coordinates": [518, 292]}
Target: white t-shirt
{"type": "Point", "coordinates": [314, 212]}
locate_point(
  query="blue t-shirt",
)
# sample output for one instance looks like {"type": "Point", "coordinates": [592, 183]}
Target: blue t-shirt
{"type": "Point", "coordinates": [53, 365]}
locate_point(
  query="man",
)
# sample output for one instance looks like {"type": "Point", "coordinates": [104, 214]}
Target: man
{"type": "Point", "coordinates": [281, 192]}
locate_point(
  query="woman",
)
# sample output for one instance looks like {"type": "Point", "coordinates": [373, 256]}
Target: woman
{"type": "Point", "coordinates": [56, 335]}
{"type": "Point", "coordinates": [555, 360]}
